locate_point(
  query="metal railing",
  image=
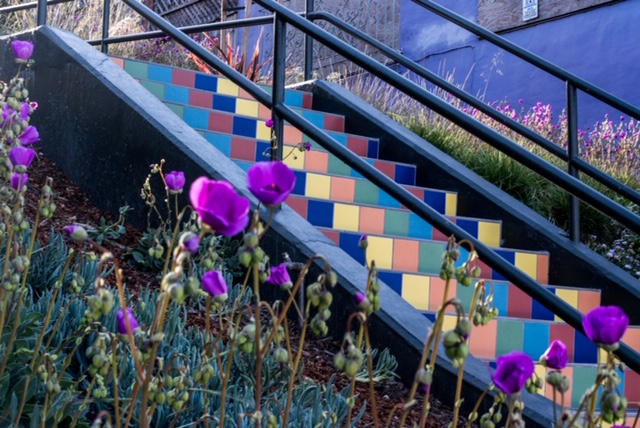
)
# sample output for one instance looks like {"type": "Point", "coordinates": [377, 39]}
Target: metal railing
{"type": "Point", "coordinates": [283, 17]}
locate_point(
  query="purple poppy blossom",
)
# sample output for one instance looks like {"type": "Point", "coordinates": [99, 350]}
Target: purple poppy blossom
{"type": "Point", "coordinates": [175, 181]}
{"type": "Point", "coordinates": [219, 206]}
{"type": "Point", "coordinates": [271, 182]}
{"type": "Point", "coordinates": [269, 123]}
{"type": "Point", "coordinates": [29, 136]}
{"type": "Point", "coordinates": [512, 372]}
{"type": "Point", "coordinates": [307, 146]}
{"type": "Point", "coordinates": [556, 356]}
{"type": "Point", "coordinates": [7, 115]}
{"type": "Point", "coordinates": [22, 50]}
{"type": "Point", "coordinates": [19, 180]}
{"type": "Point", "coordinates": [605, 325]}
{"type": "Point", "coordinates": [190, 242]}
{"type": "Point", "coordinates": [21, 156]}
{"type": "Point", "coordinates": [279, 275]}
{"type": "Point", "coordinates": [77, 233]}
{"type": "Point", "coordinates": [121, 324]}
{"type": "Point", "coordinates": [25, 111]}
{"type": "Point", "coordinates": [214, 284]}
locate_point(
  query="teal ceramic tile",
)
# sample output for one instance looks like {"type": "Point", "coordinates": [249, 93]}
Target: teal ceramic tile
{"type": "Point", "coordinates": [138, 70]}
{"type": "Point", "coordinates": [396, 223]}
{"type": "Point", "coordinates": [510, 336]}
{"type": "Point", "coordinates": [430, 259]}
{"type": "Point", "coordinates": [157, 89]}
{"type": "Point", "coordinates": [336, 166]}
{"type": "Point", "coordinates": [465, 294]}
{"type": "Point", "coordinates": [583, 378]}
{"type": "Point", "coordinates": [366, 193]}
{"type": "Point", "coordinates": [177, 109]}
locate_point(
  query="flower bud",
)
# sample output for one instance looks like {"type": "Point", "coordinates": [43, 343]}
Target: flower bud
{"type": "Point", "coordinates": [77, 233]}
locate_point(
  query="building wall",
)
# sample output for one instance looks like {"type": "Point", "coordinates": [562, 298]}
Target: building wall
{"type": "Point", "coordinates": [599, 45]}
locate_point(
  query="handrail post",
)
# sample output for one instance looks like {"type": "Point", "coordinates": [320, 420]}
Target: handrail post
{"type": "Point", "coordinates": [104, 47]}
{"type": "Point", "coordinates": [573, 153]}
{"type": "Point", "coordinates": [41, 14]}
{"type": "Point", "coordinates": [308, 45]}
{"type": "Point", "coordinates": [277, 94]}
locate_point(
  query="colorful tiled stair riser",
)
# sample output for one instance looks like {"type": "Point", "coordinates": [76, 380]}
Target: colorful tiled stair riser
{"type": "Point", "coordinates": [407, 250]}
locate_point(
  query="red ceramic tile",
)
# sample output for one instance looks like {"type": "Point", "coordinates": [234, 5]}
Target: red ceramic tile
{"type": "Point", "coordinates": [220, 122]}
{"type": "Point", "coordinates": [200, 99]}
{"type": "Point", "coordinates": [183, 77]}
{"type": "Point", "coordinates": [307, 101]}
{"type": "Point", "coordinates": [565, 334]}
{"type": "Point", "coordinates": [632, 388]}
{"type": "Point", "coordinates": [243, 149]}
{"type": "Point", "coordinates": [119, 61]}
{"type": "Point", "coordinates": [436, 292]}
{"type": "Point", "coordinates": [518, 304]}
{"type": "Point", "coordinates": [415, 191]}
{"type": "Point", "coordinates": [486, 271]}
{"type": "Point", "coordinates": [436, 235]}
{"type": "Point", "coordinates": [334, 122]}
{"type": "Point", "coordinates": [543, 269]}
{"type": "Point", "coordinates": [244, 94]}
{"type": "Point", "coordinates": [343, 189]}
{"type": "Point", "coordinates": [387, 168]}
{"type": "Point", "coordinates": [372, 220]}
{"type": "Point", "coordinates": [263, 112]}
{"type": "Point", "coordinates": [333, 235]}
{"type": "Point", "coordinates": [357, 145]}
{"type": "Point", "coordinates": [298, 204]}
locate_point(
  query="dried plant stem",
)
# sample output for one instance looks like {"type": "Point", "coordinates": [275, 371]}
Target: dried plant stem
{"type": "Point", "coordinates": [258, 339]}
{"type": "Point", "coordinates": [372, 392]}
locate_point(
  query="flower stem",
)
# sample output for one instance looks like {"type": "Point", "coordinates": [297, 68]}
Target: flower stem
{"type": "Point", "coordinates": [258, 339]}
{"type": "Point", "coordinates": [372, 392]}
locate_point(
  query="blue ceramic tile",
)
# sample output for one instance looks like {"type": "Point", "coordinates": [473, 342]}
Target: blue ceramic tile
{"type": "Point", "coordinates": [196, 117]}
{"type": "Point", "coordinates": [176, 94]}
{"type": "Point", "coordinates": [160, 73]}
{"type": "Point", "coordinates": [263, 151]}
{"type": "Point", "coordinates": [500, 297]}
{"type": "Point", "coordinates": [206, 83]}
{"type": "Point", "coordinates": [508, 256]}
{"type": "Point", "coordinates": [393, 280]}
{"type": "Point", "coordinates": [221, 142]}
{"type": "Point", "coordinates": [224, 103]}
{"type": "Point", "coordinates": [372, 149]}
{"type": "Point", "coordinates": [536, 339]}
{"type": "Point", "coordinates": [469, 226]}
{"type": "Point", "coordinates": [244, 165]}
{"type": "Point", "coordinates": [314, 117]}
{"type": "Point", "coordinates": [349, 243]}
{"type": "Point", "coordinates": [301, 183]}
{"type": "Point", "coordinates": [405, 174]}
{"type": "Point", "coordinates": [320, 213]}
{"type": "Point", "coordinates": [418, 228]}
{"type": "Point", "coordinates": [539, 312]}
{"type": "Point", "coordinates": [293, 99]}
{"type": "Point", "coordinates": [339, 137]}
{"type": "Point", "coordinates": [430, 316]}
{"type": "Point", "coordinates": [436, 200]}
{"type": "Point", "coordinates": [386, 200]}
{"type": "Point", "coordinates": [584, 351]}
{"type": "Point", "coordinates": [464, 255]}
{"type": "Point", "coordinates": [244, 126]}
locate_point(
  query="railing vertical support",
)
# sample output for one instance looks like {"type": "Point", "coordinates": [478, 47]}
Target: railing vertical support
{"type": "Point", "coordinates": [104, 47]}
{"type": "Point", "coordinates": [308, 45]}
{"type": "Point", "coordinates": [41, 14]}
{"type": "Point", "coordinates": [572, 151]}
{"type": "Point", "coordinates": [277, 94]}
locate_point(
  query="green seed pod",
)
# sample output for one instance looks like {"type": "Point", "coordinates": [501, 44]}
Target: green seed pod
{"type": "Point", "coordinates": [251, 240]}
{"type": "Point", "coordinates": [424, 376]}
{"type": "Point", "coordinates": [245, 259]}
{"type": "Point", "coordinates": [351, 367]}
{"type": "Point", "coordinates": [476, 272]}
{"type": "Point", "coordinates": [281, 355]}
{"type": "Point", "coordinates": [451, 338]}
{"type": "Point", "coordinates": [464, 327]}
{"type": "Point", "coordinates": [339, 361]}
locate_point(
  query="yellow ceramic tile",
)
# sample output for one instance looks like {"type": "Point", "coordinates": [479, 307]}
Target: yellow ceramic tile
{"type": "Point", "coordinates": [295, 160]}
{"type": "Point", "coordinates": [541, 371]}
{"type": "Point", "coordinates": [415, 290]}
{"type": "Point", "coordinates": [318, 186]}
{"type": "Point", "coordinates": [247, 107]}
{"type": "Point", "coordinates": [528, 263]}
{"type": "Point", "coordinates": [449, 322]}
{"type": "Point", "coordinates": [263, 133]}
{"type": "Point", "coordinates": [380, 249]}
{"type": "Point", "coordinates": [569, 296]}
{"type": "Point", "coordinates": [451, 202]}
{"type": "Point", "coordinates": [602, 355]}
{"type": "Point", "coordinates": [346, 217]}
{"type": "Point", "coordinates": [489, 233]}
{"type": "Point", "coordinates": [227, 87]}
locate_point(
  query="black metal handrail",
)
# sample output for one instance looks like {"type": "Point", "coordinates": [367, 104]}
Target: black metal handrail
{"type": "Point", "coordinates": [282, 112]}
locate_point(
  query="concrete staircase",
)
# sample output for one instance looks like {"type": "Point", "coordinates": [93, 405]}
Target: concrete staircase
{"type": "Point", "coordinates": [408, 251]}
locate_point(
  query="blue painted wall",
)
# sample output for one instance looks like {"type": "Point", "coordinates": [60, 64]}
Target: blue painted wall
{"type": "Point", "coordinates": [601, 45]}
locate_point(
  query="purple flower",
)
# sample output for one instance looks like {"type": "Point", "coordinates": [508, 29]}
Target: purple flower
{"type": "Point", "coordinates": [175, 181]}
{"type": "Point", "coordinates": [29, 136]}
{"type": "Point", "coordinates": [219, 206]}
{"type": "Point", "coordinates": [77, 233]}
{"type": "Point", "coordinates": [190, 242]}
{"type": "Point", "coordinates": [512, 372]}
{"type": "Point", "coordinates": [7, 115]}
{"type": "Point", "coordinates": [214, 284]}
{"type": "Point", "coordinates": [605, 325]}
{"type": "Point", "coordinates": [21, 156]}
{"type": "Point", "coordinates": [25, 111]}
{"type": "Point", "coordinates": [423, 388]}
{"type": "Point", "coordinates": [363, 242]}
{"type": "Point", "coordinates": [269, 123]}
{"type": "Point", "coordinates": [271, 182]}
{"type": "Point", "coordinates": [307, 146]}
{"type": "Point", "coordinates": [121, 324]}
{"type": "Point", "coordinates": [22, 50]}
{"type": "Point", "coordinates": [360, 300]}
{"type": "Point", "coordinates": [556, 356]}
{"type": "Point", "coordinates": [19, 180]}
{"type": "Point", "coordinates": [279, 275]}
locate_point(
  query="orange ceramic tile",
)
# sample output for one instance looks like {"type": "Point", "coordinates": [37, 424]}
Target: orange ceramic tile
{"type": "Point", "coordinates": [298, 204]}
{"type": "Point", "coordinates": [243, 149]}
{"type": "Point", "coordinates": [632, 338]}
{"type": "Point", "coordinates": [316, 161]}
{"type": "Point", "coordinates": [483, 340]}
{"type": "Point", "coordinates": [333, 235]}
{"type": "Point", "coordinates": [334, 123]}
{"type": "Point", "coordinates": [548, 391]}
{"type": "Point", "coordinates": [200, 99]}
{"type": "Point", "coordinates": [342, 189]}
{"type": "Point", "coordinates": [588, 300]}
{"type": "Point", "coordinates": [436, 292]}
{"type": "Point", "coordinates": [543, 268]}
{"type": "Point", "coordinates": [292, 135]}
{"type": "Point", "coordinates": [372, 220]}
{"type": "Point", "coordinates": [405, 255]}
{"type": "Point", "coordinates": [183, 77]}
{"type": "Point", "coordinates": [119, 61]}
{"type": "Point", "coordinates": [244, 94]}
{"type": "Point", "coordinates": [263, 112]}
